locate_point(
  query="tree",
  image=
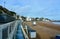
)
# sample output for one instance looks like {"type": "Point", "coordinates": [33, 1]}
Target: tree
{"type": "Point", "coordinates": [12, 13]}
{"type": "Point", "coordinates": [41, 19]}
{"type": "Point", "coordinates": [23, 18]}
{"type": "Point", "coordinates": [0, 11]}
{"type": "Point", "coordinates": [5, 10]}
{"type": "Point", "coordinates": [36, 18]}
{"type": "Point", "coordinates": [47, 19]}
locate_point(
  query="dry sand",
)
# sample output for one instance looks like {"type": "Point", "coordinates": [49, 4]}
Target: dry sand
{"type": "Point", "coordinates": [45, 30]}
{"type": "Point", "coordinates": [49, 24]}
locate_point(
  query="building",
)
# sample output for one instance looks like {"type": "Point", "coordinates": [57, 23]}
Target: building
{"type": "Point", "coordinates": [45, 20]}
{"type": "Point", "coordinates": [28, 19]}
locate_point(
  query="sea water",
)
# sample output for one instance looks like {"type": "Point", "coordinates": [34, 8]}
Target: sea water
{"type": "Point", "coordinates": [56, 22]}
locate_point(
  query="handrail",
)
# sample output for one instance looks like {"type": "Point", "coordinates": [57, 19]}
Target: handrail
{"type": "Point", "coordinates": [2, 26]}
{"type": "Point", "coordinates": [13, 31]}
{"type": "Point", "coordinates": [13, 26]}
{"type": "Point", "coordinates": [25, 35]}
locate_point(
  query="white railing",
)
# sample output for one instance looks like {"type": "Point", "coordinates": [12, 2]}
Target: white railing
{"type": "Point", "coordinates": [25, 35]}
{"type": "Point", "coordinates": [11, 30]}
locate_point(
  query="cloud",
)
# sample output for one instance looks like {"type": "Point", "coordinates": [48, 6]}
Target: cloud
{"type": "Point", "coordinates": [35, 8]}
{"type": "Point", "coordinates": [19, 10]}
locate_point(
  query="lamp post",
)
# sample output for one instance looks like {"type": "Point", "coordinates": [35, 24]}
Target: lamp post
{"type": "Point", "coordinates": [4, 3]}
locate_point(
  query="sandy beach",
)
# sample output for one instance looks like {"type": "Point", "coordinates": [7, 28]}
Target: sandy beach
{"type": "Point", "coordinates": [45, 30]}
{"type": "Point", "coordinates": [49, 24]}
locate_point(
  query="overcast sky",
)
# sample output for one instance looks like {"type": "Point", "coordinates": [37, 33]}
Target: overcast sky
{"type": "Point", "coordinates": [34, 8]}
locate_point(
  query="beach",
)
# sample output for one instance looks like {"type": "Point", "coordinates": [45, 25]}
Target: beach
{"type": "Point", "coordinates": [45, 30]}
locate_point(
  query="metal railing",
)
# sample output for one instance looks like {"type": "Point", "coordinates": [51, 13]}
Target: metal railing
{"type": "Point", "coordinates": [8, 30]}
{"type": "Point", "coordinates": [25, 35]}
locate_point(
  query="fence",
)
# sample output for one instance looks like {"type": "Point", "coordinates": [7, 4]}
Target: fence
{"type": "Point", "coordinates": [8, 30]}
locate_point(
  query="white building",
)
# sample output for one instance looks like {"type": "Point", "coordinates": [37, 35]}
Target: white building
{"type": "Point", "coordinates": [20, 17]}
{"type": "Point", "coordinates": [28, 19]}
{"type": "Point", "coordinates": [45, 20]}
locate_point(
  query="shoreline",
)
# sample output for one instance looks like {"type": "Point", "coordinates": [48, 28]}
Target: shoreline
{"type": "Point", "coordinates": [49, 24]}
{"type": "Point", "coordinates": [47, 31]}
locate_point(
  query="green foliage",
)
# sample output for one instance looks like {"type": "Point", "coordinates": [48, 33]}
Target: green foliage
{"type": "Point", "coordinates": [47, 19]}
{"type": "Point", "coordinates": [41, 19]}
{"type": "Point", "coordinates": [17, 16]}
{"type": "Point", "coordinates": [3, 9]}
{"type": "Point", "coordinates": [0, 11]}
{"type": "Point", "coordinates": [36, 18]}
{"type": "Point", "coordinates": [7, 11]}
{"type": "Point", "coordinates": [23, 18]}
{"type": "Point", "coordinates": [12, 13]}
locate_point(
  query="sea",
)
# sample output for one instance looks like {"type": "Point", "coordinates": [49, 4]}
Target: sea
{"type": "Point", "coordinates": [56, 22]}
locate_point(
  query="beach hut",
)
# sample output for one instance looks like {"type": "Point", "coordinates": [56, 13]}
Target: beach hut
{"type": "Point", "coordinates": [32, 34]}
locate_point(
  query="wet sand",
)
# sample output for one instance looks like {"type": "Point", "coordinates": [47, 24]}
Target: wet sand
{"type": "Point", "coordinates": [45, 30]}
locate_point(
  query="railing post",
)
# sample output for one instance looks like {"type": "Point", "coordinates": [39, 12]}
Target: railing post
{"type": "Point", "coordinates": [0, 34]}
{"type": "Point", "coordinates": [8, 29]}
{"type": "Point", "coordinates": [26, 29]}
{"type": "Point", "coordinates": [25, 35]}
{"type": "Point", "coordinates": [5, 28]}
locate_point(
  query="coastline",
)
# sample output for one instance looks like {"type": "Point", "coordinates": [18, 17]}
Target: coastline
{"type": "Point", "coordinates": [49, 24]}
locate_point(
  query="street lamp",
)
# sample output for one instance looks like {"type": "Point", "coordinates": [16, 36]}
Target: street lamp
{"type": "Point", "coordinates": [4, 3]}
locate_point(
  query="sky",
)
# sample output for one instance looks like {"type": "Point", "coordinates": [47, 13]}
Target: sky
{"type": "Point", "coordinates": [34, 8]}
